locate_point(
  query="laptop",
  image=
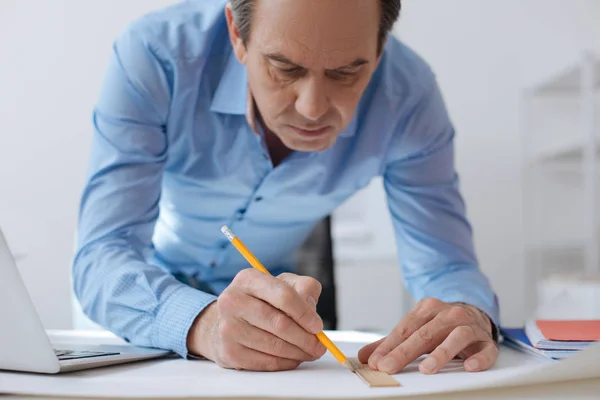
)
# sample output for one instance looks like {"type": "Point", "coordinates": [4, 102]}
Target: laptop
{"type": "Point", "coordinates": [24, 344]}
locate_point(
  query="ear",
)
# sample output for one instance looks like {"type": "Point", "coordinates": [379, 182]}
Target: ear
{"type": "Point", "coordinates": [234, 35]}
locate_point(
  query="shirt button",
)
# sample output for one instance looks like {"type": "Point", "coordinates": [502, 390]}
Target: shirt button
{"type": "Point", "coordinates": [224, 245]}
{"type": "Point", "coordinates": [213, 264]}
{"type": "Point", "coordinates": [259, 198]}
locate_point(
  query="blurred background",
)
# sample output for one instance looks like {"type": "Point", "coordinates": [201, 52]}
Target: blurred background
{"type": "Point", "coordinates": [521, 81]}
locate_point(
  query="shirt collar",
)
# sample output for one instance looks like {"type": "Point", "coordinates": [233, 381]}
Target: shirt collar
{"type": "Point", "coordinates": [233, 96]}
{"type": "Point", "coordinates": [350, 129]}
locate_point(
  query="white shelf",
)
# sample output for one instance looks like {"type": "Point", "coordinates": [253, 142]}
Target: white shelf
{"type": "Point", "coordinates": [566, 80]}
{"type": "Point", "coordinates": [567, 255]}
{"type": "Point", "coordinates": [569, 150]}
{"type": "Point", "coordinates": [560, 129]}
{"type": "Point", "coordinates": [18, 257]}
{"type": "Point", "coordinates": [350, 233]}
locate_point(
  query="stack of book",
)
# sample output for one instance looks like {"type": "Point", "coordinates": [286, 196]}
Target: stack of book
{"type": "Point", "coordinates": [553, 339]}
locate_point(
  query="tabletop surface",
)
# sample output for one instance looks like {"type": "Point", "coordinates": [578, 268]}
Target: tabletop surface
{"type": "Point", "coordinates": [582, 389]}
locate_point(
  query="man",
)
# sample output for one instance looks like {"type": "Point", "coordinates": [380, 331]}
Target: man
{"type": "Point", "coordinates": [265, 115]}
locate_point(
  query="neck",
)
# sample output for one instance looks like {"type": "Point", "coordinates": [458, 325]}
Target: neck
{"type": "Point", "coordinates": [277, 150]}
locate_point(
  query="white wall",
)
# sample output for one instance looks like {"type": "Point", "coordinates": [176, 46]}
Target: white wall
{"type": "Point", "coordinates": [53, 57]}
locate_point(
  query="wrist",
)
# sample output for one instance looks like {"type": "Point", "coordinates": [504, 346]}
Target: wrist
{"type": "Point", "coordinates": [200, 333]}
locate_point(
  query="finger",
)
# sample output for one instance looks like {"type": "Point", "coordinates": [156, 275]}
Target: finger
{"type": "Point", "coordinates": [269, 319]}
{"type": "Point", "coordinates": [472, 350]}
{"type": "Point", "coordinates": [423, 312]}
{"type": "Point", "coordinates": [428, 336]}
{"type": "Point", "coordinates": [457, 341]}
{"type": "Point", "coordinates": [484, 359]}
{"type": "Point", "coordinates": [281, 296]}
{"type": "Point", "coordinates": [423, 340]}
{"type": "Point", "coordinates": [267, 343]}
{"type": "Point", "coordinates": [308, 288]}
{"type": "Point", "coordinates": [242, 358]}
{"type": "Point", "coordinates": [366, 351]}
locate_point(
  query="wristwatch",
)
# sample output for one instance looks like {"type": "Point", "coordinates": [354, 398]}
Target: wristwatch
{"type": "Point", "coordinates": [495, 331]}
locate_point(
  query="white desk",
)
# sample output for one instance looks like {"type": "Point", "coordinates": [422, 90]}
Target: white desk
{"type": "Point", "coordinates": [571, 390]}
{"type": "Point", "coordinates": [584, 389]}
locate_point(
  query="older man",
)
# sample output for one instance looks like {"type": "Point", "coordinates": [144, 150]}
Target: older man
{"type": "Point", "coordinates": [265, 115]}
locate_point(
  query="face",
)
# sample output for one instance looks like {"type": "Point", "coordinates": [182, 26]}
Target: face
{"type": "Point", "coordinates": [308, 64]}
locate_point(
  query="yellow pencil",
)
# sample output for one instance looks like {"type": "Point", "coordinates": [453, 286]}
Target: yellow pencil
{"type": "Point", "coordinates": [257, 264]}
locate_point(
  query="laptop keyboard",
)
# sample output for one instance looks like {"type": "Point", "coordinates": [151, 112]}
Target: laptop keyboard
{"type": "Point", "coordinates": [64, 355]}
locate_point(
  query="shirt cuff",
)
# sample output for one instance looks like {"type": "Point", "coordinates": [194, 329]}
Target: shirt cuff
{"type": "Point", "coordinates": [176, 316]}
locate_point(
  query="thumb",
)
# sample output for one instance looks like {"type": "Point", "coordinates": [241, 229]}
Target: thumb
{"type": "Point", "coordinates": [308, 288]}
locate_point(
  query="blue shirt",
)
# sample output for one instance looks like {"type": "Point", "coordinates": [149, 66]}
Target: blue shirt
{"type": "Point", "coordinates": [173, 159]}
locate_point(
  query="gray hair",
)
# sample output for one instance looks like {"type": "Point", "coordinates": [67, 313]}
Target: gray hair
{"type": "Point", "coordinates": [242, 15]}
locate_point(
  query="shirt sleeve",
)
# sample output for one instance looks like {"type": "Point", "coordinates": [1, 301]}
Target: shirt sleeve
{"type": "Point", "coordinates": [434, 237]}
{"type": "Point", "coordinates": [115, 285]}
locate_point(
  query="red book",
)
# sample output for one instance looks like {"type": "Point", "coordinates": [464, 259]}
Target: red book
{"type": "Point", "coordinates": [563, 334]}
{"type": "Point", "coordinates": [585, 331]}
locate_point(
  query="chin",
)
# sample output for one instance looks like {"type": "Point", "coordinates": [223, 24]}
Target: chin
{"type": "Point", "coordinates": [310, 146]}
{"type": "Point", "coordinates": [298, 142]}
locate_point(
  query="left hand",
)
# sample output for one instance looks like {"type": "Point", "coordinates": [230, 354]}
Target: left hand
{"type": "Point", "coordinates": [445, 330]}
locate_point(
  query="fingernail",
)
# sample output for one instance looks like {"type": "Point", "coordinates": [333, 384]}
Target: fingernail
{"type": "Point", "coordinates": [374, 360]}
{"type": "Point", "coordinates": [312, 302]}
{"type": "Point", "coordinates": [428, 365]}
{"type": "Point", "coordinates": [387, 365]}
{"type": "Point", "coordinates": [472, 365]}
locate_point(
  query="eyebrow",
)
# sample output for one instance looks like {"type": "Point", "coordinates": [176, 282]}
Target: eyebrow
{"type": "Point", "coordinates": [278, 57]}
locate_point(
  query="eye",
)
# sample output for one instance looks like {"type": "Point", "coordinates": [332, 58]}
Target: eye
{"type": "Point", "coordinates": [343, 75]}
{"type": "Point", "coordinates": [285, 71]}
{"type": "Point", "coordinates": [290, 70]}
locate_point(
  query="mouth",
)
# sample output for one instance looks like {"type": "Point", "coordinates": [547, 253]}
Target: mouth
{"type": "Point", "coordinates": [311, 132]}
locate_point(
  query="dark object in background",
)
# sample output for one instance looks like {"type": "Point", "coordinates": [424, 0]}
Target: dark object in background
{"type": "Point", "coordinates": [315, 259]}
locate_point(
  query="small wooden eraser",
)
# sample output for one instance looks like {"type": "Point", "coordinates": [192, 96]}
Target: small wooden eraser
{"type": "Point", "coordinates": [370, 377]}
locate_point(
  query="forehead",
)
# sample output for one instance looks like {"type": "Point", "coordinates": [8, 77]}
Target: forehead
{"type": "Point", "coordinates": [317, 33]}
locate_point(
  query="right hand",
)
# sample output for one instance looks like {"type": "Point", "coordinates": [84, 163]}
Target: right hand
{"type": "Point", "coordinates": [261, 323]}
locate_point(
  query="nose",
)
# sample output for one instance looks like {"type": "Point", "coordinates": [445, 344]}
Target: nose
{"type": "Point", "coordinates": [312, 102]}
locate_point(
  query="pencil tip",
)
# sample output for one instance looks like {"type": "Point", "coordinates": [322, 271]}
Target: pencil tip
{"type": "Point", "coordinates": [348, 365]}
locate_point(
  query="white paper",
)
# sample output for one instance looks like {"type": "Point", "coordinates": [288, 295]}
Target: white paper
{"type": "Point", "coordinates": [323, 379]}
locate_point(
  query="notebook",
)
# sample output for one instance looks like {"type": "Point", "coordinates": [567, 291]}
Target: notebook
{"type": "Point", "coordinates": [563, 334]}
{"type": "Point", "coordinates": [517, 339]}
